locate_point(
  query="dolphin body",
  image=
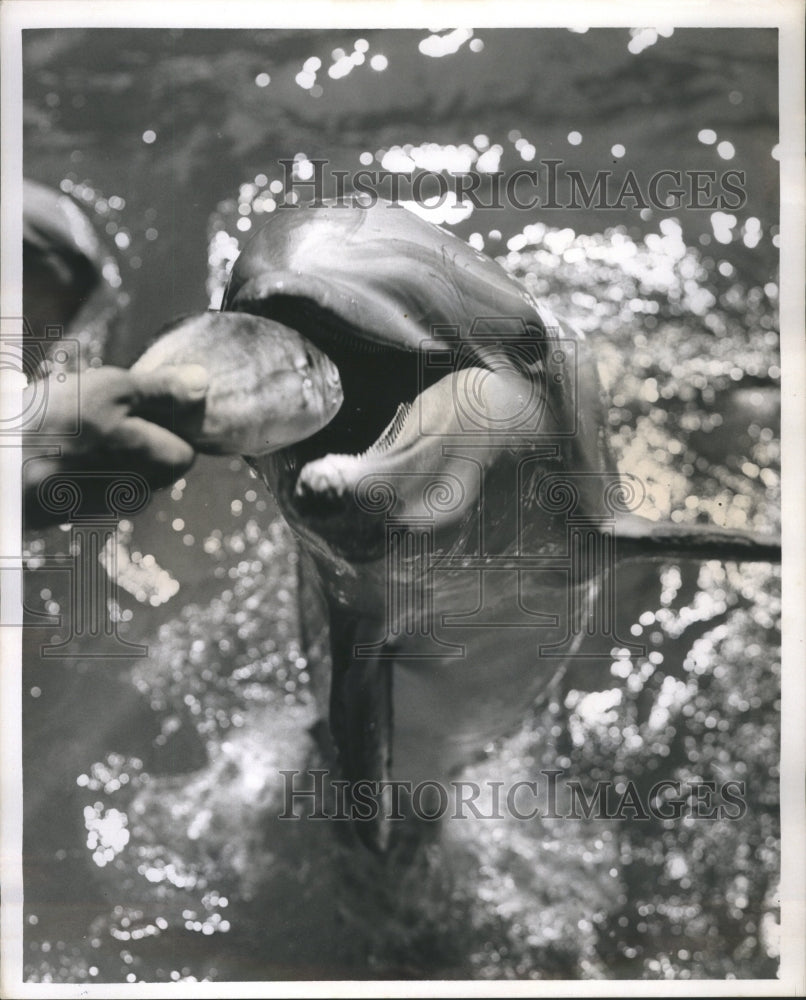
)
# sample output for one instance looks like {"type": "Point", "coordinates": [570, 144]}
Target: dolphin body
{"type": "Point", "coordinates": [463, 511]}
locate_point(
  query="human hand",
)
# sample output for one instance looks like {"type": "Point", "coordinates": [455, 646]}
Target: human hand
{"type": "Point", "coordinates": [124, 425]}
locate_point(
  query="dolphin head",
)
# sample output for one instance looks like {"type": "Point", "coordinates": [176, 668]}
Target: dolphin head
{"type": "Point", "coordinates": [434, 343]}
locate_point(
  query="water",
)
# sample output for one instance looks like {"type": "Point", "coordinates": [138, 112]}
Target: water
{"type": "Point", "coordinates": [153, 848]}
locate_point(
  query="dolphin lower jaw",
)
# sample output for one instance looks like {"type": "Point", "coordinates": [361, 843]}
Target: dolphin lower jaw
{"type": "Point", "coordinates": [349, 496]}
{"type": "Point", "coordinates": [427, 464]}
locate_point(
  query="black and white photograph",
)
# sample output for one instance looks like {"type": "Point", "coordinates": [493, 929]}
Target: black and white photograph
{"type": "Point", "coordinates": [402, 539]}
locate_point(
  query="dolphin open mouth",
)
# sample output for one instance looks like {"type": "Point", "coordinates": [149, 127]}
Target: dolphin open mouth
{"type": "Point", "coordinates": [404, 397]}
{"type": "Point", "coordinates": [380, 381]}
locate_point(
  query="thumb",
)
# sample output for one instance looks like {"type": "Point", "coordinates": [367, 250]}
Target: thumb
{"type": "Point", "coordinates": [170, 385]}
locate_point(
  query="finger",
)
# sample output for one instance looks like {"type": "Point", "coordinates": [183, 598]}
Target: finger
{"type": "Point", "coordinates": [108, 384]}
{"type": "Point", "coordinates": [150, 449]}
{"type": "Point", "coordinates": [168, 387]}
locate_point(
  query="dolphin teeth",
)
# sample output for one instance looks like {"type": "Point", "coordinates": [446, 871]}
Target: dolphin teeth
{"type": "Point", "coordinates": [390, 433]}
{"type": "Point", "coordinates": [325, 480]}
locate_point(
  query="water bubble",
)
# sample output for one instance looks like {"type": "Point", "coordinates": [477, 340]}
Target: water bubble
{"type": "Point", "coordinates": [305, 80]}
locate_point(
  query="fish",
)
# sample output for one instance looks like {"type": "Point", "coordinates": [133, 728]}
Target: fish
{"type": "Point", "coordinates": [461, 515]}
{"type": "Point", "coordinates": [268, 386]}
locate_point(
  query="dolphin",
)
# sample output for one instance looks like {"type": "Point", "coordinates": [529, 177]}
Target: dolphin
{"type": "Point", "coordinates": [70, 281]}
{"type": "Point", "coordinates": [462, 512]}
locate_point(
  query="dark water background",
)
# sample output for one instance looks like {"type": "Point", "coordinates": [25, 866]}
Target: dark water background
{"type": "Point", "coordinates": [152, 850]}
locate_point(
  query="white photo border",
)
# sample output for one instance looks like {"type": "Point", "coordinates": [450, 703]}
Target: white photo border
{"type": "Point", "coordinates": [785, 15]}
